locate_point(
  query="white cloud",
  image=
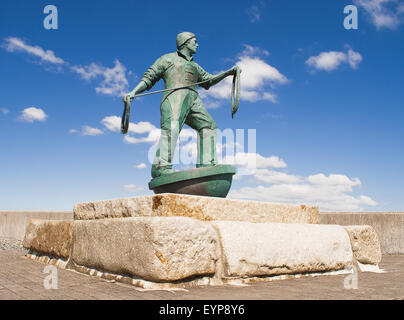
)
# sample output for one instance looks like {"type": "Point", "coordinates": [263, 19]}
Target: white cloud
{"type": "Point", "coordinates": [354, 58]}
{"type": "Point", "coordinates": [212, 104]}
{"type": "Point", "coordinates": [270, 97]}
{"type": "Point", "coordinates": [258, 78]}
{"type": "Point", "coordinates": [90, 131]}
{"type": "Point", "coordinates": [327, 60]}
{"type": "Point", "coordinates": [254, 161]}
{"type": "Point", "coordinates": [89, 72]}
{"type": "Point", "coordinates": [154, 134]}
{"type": "Point", "coordinates": [383, 13]}
{"type": "Point", "coordinates": [133, 188]}
{"type": "Point", "coordinates": [337, 180]}
{"type": "Point", "coordinates": [253, 13]}
{"type": "Point", "coordinates": [326, 197]}
{"type": "Point", "coordinates": [4, 110]}
{"type": "Point", "coordinates": [367, 201]}
{"type": "Point", "coordinates": [331, 60]}
{"type": "Point", "coordinates": [141, 127]}
{"type": "Point", "coordinates": [152, 137]}
{"type": "Point", "coordinates": [113, 123]}
{"type": "Point", "coordinates": [73, 131]}
{"type": "Point", "coordinates": [332, 192]}
{"type": "Point", "coordinates": [114, 80]}
{"type": "Point", "coordinates": [141, 166]}
{"type": "Point", "coordinates": [16, 44]}
{"type": "Point", "coordinates": [256, 72]}
{"type": "Point", "coordinates": [275, 177]}
{"type": "Point", "coordinates": [33, 114]}
{"type": "Point", "coordinates": [251, 51]}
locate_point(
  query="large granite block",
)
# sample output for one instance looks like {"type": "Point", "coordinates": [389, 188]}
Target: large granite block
{"type": "Point", "coordinates": [51, 237]}
{"type": "Point", "coordinates": [156, 249]}
{"type": "Point", "coordinates": [198, 207]}
{"type": "Point", "coordinates": [266, 249]}
{"type": "Point", "coordinates": [365, 244]}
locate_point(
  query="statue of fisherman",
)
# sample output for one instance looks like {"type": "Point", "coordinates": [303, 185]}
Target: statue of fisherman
{"type": "Point", "coordinates": [179, 106]}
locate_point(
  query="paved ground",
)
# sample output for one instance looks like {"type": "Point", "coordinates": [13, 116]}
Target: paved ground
{"type": "Point", "coordinates": [21, 278]}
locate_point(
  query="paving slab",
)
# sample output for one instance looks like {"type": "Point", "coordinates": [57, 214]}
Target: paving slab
{"type": "Point", "coordinates": [21, 278]}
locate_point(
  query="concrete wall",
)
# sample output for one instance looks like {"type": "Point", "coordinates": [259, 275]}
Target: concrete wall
{"type": "Point", "coordinates": [13, 223]}
{"type": "Point", "coordinates": [388, 225]}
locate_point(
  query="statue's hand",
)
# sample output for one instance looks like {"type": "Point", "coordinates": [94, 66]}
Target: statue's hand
{"type": "Point", "coordinates": [235, 68]}
{"type": "Point", "coordinates": [128, 97]}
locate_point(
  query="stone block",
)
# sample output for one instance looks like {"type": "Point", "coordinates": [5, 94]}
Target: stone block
{"type": "Point", "coordinates": [198, 207]}
{"type": "Point", "coordinates": [51, 237]}
{"type": "Point", "coordinates": [267, 249]}
{"type": "Point", "coordinates": [365, 244]}
{"type": "Point", "coordinates": [389, 226]}
{"type": "Point", "coordinates": [158, 249]}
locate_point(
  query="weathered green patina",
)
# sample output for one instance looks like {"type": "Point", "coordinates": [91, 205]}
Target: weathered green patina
{"type": "Point", "coordinates": [181, 104]}
{"type": "Point", "coordinates": [178, 69]}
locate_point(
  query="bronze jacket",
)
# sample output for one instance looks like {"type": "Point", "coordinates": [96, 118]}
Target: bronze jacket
{"type": "Point", "coordinates": [176, 71]}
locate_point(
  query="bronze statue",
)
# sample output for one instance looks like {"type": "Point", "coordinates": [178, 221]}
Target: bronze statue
{"type": "Point", "coordinates": [181, 103]}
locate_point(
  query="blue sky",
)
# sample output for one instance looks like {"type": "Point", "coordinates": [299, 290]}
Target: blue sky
{"type": "Point", "coordinates": [326, 102]}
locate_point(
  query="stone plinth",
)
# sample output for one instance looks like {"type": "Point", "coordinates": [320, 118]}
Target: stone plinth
{"type": "Point", "coordinates": [198, 207]}
{"type": "Point", "coordinates": [181, 251]}
{"type": "Point", "coordinates": [172, 240]}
